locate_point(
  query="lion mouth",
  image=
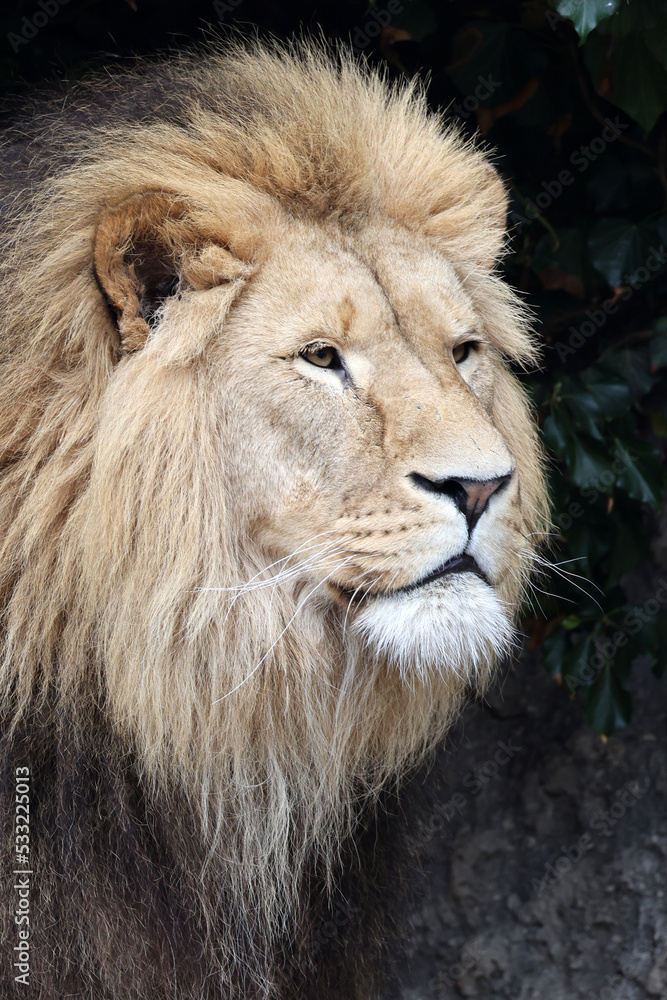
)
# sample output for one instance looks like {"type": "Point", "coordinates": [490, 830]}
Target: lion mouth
{"type": "Point", "coordinates": [457, 564]}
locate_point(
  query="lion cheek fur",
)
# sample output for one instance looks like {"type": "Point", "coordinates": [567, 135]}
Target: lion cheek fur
{"type": "Point", "coordinates": [207, 740]}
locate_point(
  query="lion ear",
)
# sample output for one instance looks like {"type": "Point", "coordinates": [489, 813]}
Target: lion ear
{"type": "Point", "coordinates": [150, 247]}
{"type": "Point", "coordinates": [471, 226]}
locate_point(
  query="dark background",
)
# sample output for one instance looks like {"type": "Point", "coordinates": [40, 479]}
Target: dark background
{"type": "Point", "coordinates": [520, 907]}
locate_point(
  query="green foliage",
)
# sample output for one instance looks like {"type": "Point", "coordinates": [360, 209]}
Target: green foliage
{"type": "Point", "coordinates": [626, 45]}
{"type": "Point", "coordinates": [573, 96]}
{"type": "Point", "coordinates": [618, 247]}
{"type": "Point", "coordinates": [586, 14]}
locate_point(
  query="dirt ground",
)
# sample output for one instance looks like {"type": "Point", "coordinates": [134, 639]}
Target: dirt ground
{"type": "Point", "coordinates": [546, 848]}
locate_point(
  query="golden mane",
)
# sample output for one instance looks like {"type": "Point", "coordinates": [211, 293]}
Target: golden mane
{"type": "Point", "coordinates": [118, 547]}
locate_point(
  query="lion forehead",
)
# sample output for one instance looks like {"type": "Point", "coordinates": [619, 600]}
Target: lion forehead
{"type": "Point", "coordinates": [358, 289]}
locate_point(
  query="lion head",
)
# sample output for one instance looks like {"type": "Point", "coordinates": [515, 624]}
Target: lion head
{"type": "Point", "coordinates": [270, 487]}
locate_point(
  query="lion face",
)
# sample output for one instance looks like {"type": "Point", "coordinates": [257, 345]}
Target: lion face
{"type": "Point", "coordinates": [359, 382]}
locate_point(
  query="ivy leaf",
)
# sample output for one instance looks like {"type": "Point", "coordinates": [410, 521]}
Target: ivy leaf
{"type": "Point", "coordinates": [631, 17]}
{"type": "Point", "coordinates": [611, 393]}
{"type": "Point", "coordinates": [658, 345]}
{"type": "Point", "coordinates": [554, 650]}
{"type": "Point", "coordinates": [586, 414]}
{"type": "Point", "coordinates": [633, 369]}
{"type": "Point", "coordinates": [623, 658]}
{"type": "Point", "coordinates": [642, 477]}
{"type": "Point", "coordinates": [554, 431]}
{"type": "Point", "coordinates": [640, 81]}
{"type": "Point", "coordinates": [578, 670]}
{"type": "Point", "coordinates": [592, 397]}
{"type": "Point", "coordinates": [609, 705]}
{"type": "Point", "coordinates": [628, 549]}
{"type": "Point", "coordinates": [656, 39]}
{"type": "Point", "coordinates": [618, 248]}
{"type": "Point", "coordinates": [586, 14]}
{"type": "Point", "coordinates": [587, 463]}
{"type": "Point", "coordinates": [589, 548]}
{"type": "Point", "coordinates": [654, 631]}
{"type": "Point", "coordinates": [565, 266]}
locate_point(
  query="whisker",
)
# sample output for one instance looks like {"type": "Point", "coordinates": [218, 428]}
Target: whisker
{"type": "Point", "coordinates": [277, 640]}
{"type": "Point", "coordinates": [310, 564]}
{"type": "Point", "coordinates": [306, 546]}
{"type": "Point", "coordinates": [363, 597]}
{"type": "Point", "coordinates": [545, 565]}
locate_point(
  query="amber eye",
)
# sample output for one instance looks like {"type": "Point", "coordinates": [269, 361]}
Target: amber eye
{"type": "Point", "coordinates": [461, 352]}
{"type": "Point", "coordinates": [322, 356]}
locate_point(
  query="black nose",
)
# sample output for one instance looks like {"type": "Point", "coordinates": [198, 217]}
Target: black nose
{"type": "Point", "coordinates": [471, 496]}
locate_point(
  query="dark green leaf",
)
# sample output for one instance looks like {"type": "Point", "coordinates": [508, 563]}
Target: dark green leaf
{"type": "Point", "coordinates": [640, 81]}
{"type": "Point", "coordinates": [609, 705]}
{"type": "Point", "coordinates": [587, 464]}
{"type": "Point", "coordinates": [591, 398]}
{"type": "Point", "coordinates": [586, 14]}
{"type": "Point", "coordinates": [632, 370]}
{"type": "Point", "coordinates": [652, 636]}
{"type": "Point", "coordinates": [628, 547]}
{"type": "Point", "coordinates": [579, 665]}
{"type": "Point", "coordinates": [656, 39]}
{"type": "Point", "coordinates": [585, 413]}
{"type": "Point", "coordinates": [634, 17]}
{"type": "Point", "coordinates": [589, 547]}
{"type": "Point", "coordinates": [658, 345]}
{"type": "Point", "coordinates": [554, 649]}
{"type": "Point", "coordinates": [613, 398]}
{"type": "Point", "coordinates": [618, 248]}
{"type": "Point", "coordinates": [641, 474]}
{"type": "Point", "coordinates": [555, 434]}
{"type": "Point", "coordinates": [624, 655]}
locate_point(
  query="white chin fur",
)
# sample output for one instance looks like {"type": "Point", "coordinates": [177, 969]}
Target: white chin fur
{"type": "Point", "coordinates": [453, 625]}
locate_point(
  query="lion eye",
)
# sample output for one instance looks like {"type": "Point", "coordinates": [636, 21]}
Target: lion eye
{"type": "Point", "coordinates": [461, 352]}
{"type": "Point", "coordinates": [322, 356]}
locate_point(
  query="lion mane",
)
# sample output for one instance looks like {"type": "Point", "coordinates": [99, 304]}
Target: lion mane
{"type": "Point", "coordinates": [207, 730]}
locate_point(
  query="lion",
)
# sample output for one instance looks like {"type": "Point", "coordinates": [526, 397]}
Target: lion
{"type": "Point", "coordinates": [271, 494]}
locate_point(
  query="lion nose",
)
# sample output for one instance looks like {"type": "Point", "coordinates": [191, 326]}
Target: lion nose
{"type": "Point", "coordinates": [471, 496]}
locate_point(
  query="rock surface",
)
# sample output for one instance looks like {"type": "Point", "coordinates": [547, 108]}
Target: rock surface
{"type": "Point", "coordinates": [546, 850]}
